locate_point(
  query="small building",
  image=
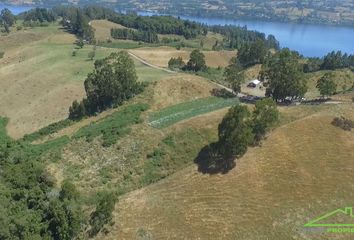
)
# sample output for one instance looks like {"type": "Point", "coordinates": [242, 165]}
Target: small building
{"type": "Point", "coordinates": [254, 83]}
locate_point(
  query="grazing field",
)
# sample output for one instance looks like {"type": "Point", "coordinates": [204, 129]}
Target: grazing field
{"type": "Point", "coordinates": [40, 77]}
{"type": "Point", "coordinates": [161, 55]}
{"type": "Point", "coordinates": [303, 170]}
{"type": "Point", "coordinates": [173, 114]}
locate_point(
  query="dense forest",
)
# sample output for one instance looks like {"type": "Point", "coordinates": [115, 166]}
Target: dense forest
{"type": "Point", "coordinates": [161, 25]}
{"type": "Point", "coordinates": [332, 61]}
{"type": "Point", "coordinates": [38, 14]}
{"type": "Point", "coordinates": [135, 35]}
{"type": "Point", "coordinates": [236, 36]}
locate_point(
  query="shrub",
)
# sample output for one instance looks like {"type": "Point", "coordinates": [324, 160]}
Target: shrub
{"type": "Point", "coordinates": [50, 129]}
{"type": "Point", "coordinates": [103, 213]}
{"type": "Point", "coordinates": [77, 110]}
{"type": "Point", "coordinates": [176, 63]}
{"type": "Point", "coordinates": [113, 81]}
{"type": "Point", "coordinates": [2, 54]}
{"type": "Point", "coordinates": [196, 62]}
{"type": "Point", "coordinates": [91, 55]}
{"type": "Point", "coordinates": [343, 123]}
{"type": "Point", "coordinates": [113, 127]}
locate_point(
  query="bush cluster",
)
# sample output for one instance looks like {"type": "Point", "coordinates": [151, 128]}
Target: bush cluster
{"type": "Point", "coordinates": [343, 123]}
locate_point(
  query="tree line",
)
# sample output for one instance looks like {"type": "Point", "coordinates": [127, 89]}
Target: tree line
{"type": "Point", "coordinates": [332, 61]}
{"type": "Point", "coordinates": [160, 25]}
{"type": "Point", "coordinates": [236, 37]}
{"type": "Point", "coordinates": [38, 15]}
{"type": "Point", "coordinates": [135, 35]}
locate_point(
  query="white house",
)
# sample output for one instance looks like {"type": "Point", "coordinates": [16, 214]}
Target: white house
{"type": "Point", "coordinates": [254, 83]}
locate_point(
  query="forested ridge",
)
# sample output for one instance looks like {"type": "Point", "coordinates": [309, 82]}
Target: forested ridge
{"type": "Point", "coordinates": [147, 27]}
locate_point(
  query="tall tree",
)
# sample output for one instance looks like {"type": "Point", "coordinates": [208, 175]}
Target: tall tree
{"type": "Point", "coordinates": [284, 75]}
{"type": "Point", "coordinates": [235, 132]}
{"type": "Point", "coordinates": [7, 19]}
{"type": "Point", "coordinates": [265, 115]}
{"type": "Point", "coordinates": [252, 53]}
{"type": "Point", "coordinates": [234, 75]}
{"type": "Point", "coordinates": [326, 85]}
{"type": "Point", "coordinates": [197, 61]}
{"type": "Point", "coordinates": [113, 81]}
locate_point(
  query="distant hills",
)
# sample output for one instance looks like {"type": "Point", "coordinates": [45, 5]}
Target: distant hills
{"type": "Point", "coordinates": [336, 12]}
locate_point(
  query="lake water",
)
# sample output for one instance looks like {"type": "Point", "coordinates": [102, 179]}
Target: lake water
{"type": "Point", "coordinates": [309, 40]}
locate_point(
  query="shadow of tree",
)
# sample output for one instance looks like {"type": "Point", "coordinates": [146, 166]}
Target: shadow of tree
{"type": "Point", "coordinates": [209, 161]}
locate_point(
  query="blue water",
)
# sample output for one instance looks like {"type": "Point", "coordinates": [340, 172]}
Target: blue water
{"type": "Point", "coordinates": [310, 40]}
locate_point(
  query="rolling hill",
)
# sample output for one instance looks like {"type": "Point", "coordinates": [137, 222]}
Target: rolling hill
{"type": "Point", "coordinates": [302, 170]}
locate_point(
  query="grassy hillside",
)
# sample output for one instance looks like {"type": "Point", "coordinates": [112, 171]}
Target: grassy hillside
{"type": "Point", "coordinates": [302, 170]}
{"type": "Point", "coordinates": [39, 77]}
{"type": "Point", "coordinates": [103, 29]}
{"type": "Point", "coordinates": [344, 78]}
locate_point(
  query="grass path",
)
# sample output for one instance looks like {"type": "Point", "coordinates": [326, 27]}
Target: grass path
{"type": "Point", "coordinates": [176, 113]}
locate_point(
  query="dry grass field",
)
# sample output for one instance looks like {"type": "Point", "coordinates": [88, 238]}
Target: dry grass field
{"type": "Point", "coordinates": [303, 170]}
{"type": "Point", "coordinates": [160, 56]}
{"type": "Point", "coordinates": [180, 88]}
{"type": "Point", "coordinates": [103, 29]}
{"type": "Point", "coordinates": [39, 77]}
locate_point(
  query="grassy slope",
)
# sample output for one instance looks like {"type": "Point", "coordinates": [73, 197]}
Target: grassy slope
{"type": "Point", "coordinates": [40, 78]}
{"type": "Point", "coordinates": [252, 200]}
{"type": "Point", "coordinates": [176, 113]}
{"type": "Point", "coordinates": [103, 29]}
{"type": "Point", "coordinates": [342, 77]}
{"type": "Point", "coordinates": [303, 170]}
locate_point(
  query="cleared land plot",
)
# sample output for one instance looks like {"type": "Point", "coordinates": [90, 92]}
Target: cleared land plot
{"type": "Point", "coordinates": [170, 115]}
{"type": "Point", "coordinates": [161, 55]}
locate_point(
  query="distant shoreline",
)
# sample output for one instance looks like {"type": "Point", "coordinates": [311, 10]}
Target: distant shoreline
{"type": "Point", "coordinates": [204, 15]}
